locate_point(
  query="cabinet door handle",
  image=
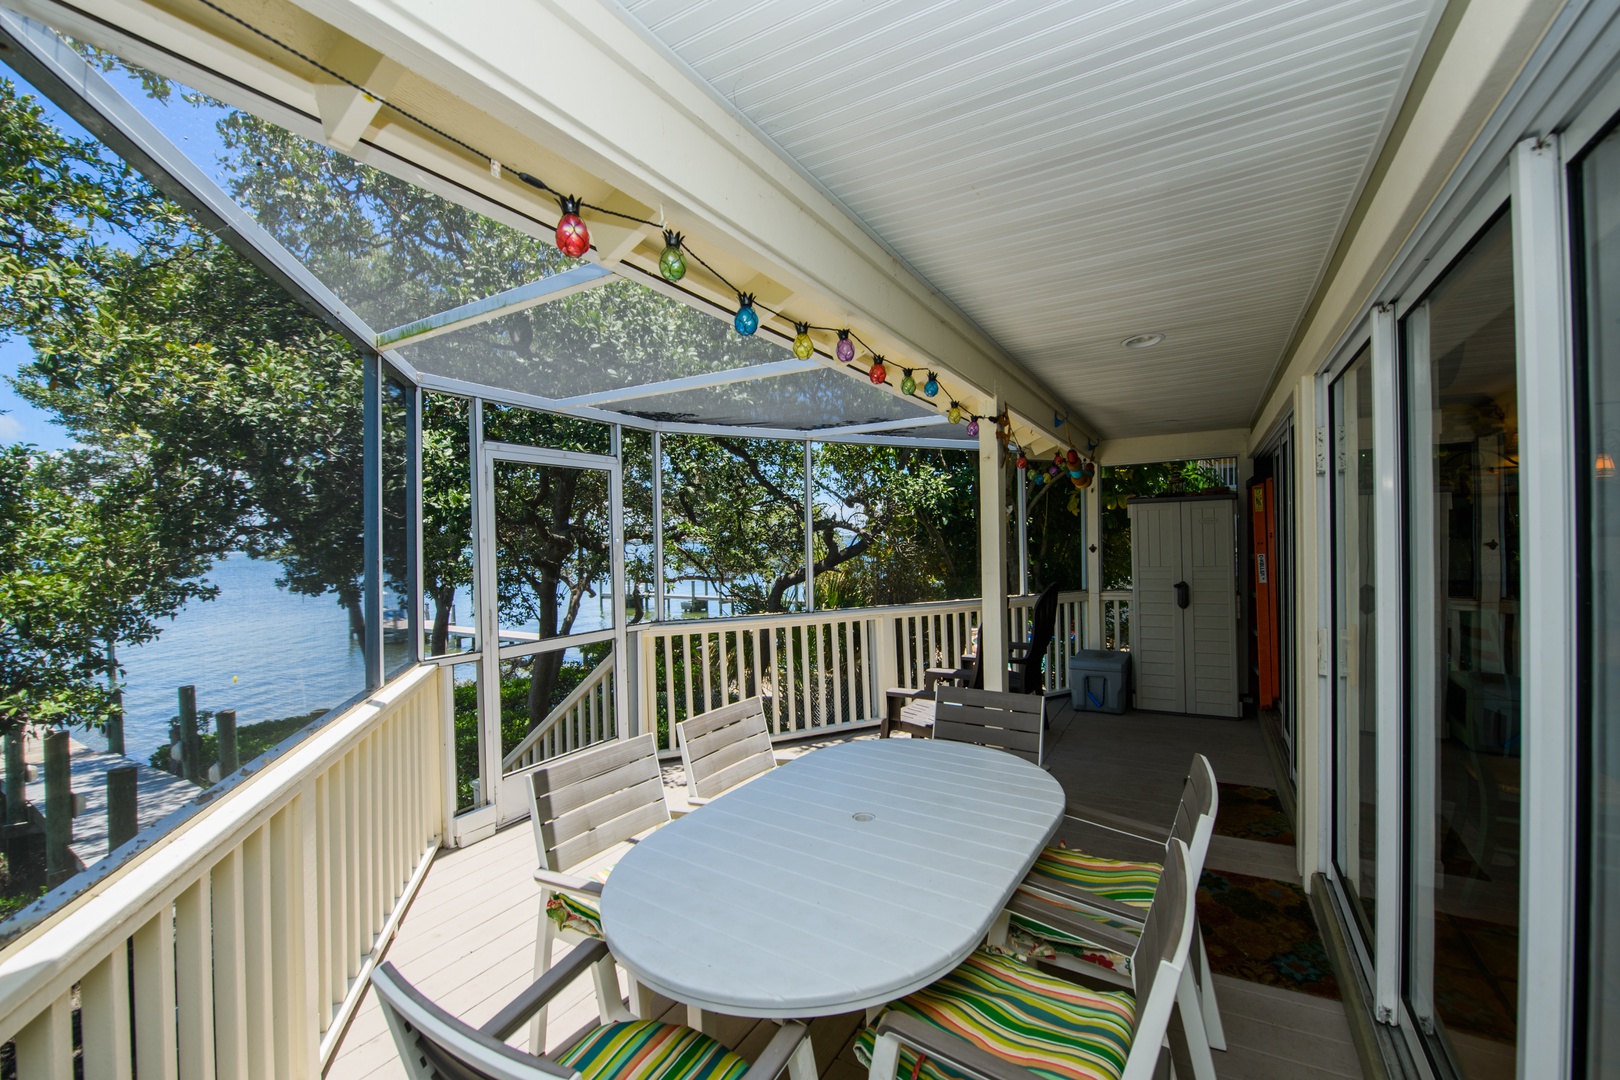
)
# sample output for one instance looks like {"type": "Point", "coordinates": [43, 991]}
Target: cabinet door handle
{"type": "Point", "coordinates": [1183, 594]}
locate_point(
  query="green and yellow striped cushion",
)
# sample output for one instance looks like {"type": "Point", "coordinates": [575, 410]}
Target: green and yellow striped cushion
{"type": "Point", "coordinates": [575, 913]}
{"type": "Point", "coordinates": [648, 1050]}
{"type": "Point", "coordinates": [1054, 1028]}
{"type": "Point", "coordinates": [1125, 882]}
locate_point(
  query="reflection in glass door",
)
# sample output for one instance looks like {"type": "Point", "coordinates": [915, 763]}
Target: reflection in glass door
{"type": "Point", "coordinates": [1355, 847]}
{"type": "Point", "coordinates": [553, 567]}
{"type": "Point", "coordinates": [1464, 678]}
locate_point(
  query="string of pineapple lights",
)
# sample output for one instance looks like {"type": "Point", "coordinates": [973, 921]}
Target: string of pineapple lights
{"type": "Point", "coordinates": [574, 240]}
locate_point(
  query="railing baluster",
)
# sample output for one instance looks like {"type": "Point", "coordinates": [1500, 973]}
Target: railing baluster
{"type": "Point", "coordinates": [45, 1044]}
{"type": "Point", "coordinates": [156, 1048]}
{"type": "Point", "coordinates": [193, 987]}
{"type": "Point", "coordinates": [230, 980]}
{"type": "Point", "coordinates": [104, 1017]}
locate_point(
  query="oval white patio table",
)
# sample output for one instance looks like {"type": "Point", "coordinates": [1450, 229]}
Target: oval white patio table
{"type": "Point", "coordinates": [845, 879]}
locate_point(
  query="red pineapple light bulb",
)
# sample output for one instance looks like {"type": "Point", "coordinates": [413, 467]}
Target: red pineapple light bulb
{"type": "Point", "coordinates": [879, 374]}
{"type": "Point", "coordinates": [573, 238]}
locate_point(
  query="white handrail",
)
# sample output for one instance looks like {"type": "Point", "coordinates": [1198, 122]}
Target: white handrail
{"type": "Point", "coordinates": [250, 922]}
{"type": "Point", "coordinates": [584, 717]}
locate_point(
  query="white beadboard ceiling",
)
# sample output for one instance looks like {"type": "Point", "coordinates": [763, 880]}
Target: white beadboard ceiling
{"type": "Point", "coordinates": [1073, 173]}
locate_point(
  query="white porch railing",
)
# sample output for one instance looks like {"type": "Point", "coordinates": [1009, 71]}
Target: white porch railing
{"type": "Point", "coordinates": [231, 945]}
{"type": "Point", "coordinates": [813, 672]}
{"type": "Point", "coordinates": [584, 717]}
{"type": "Point", "coordinates": [1116, 619]}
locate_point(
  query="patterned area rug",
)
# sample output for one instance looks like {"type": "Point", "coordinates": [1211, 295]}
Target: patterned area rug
{"type": "Point", "coordinates": [1253, 813]}
{"type": "Point", "coordinates": [1262, 931]}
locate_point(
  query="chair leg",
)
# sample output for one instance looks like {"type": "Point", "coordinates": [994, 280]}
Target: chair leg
{"type": "Point", "coordinates": [1206, 993]}
{"type": "Point", "coordinates": [547, 932]}
{"type": "Point", "coordinates": [1192, 1022]}
{"type": "Point", "coordinates": [885, 1058]}
{"type": "Point", "coordinates": [802, 1065]}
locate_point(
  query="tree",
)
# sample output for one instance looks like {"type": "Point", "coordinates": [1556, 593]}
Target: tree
{"type": "Point", "coordinates": [88, 557]}
{"type": "Point", "coordinates": [1126, 481]}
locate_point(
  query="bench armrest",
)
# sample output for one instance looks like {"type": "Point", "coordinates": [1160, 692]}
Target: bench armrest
{"type": "Point", "coordinates": [548, 986]}
{"type": "Point", "coordinates": [952, 1049]}
{"type": "Point", "coordinates": [778, 1052]}
{"type": "Point", "coordinates": [569, 883]}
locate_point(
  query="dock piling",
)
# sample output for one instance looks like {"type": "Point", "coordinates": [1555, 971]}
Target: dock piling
{"type": "Point", "coordinates": [122, 822]}
{"type": "Point", "coordinates": [16, 778]}
{"type": "Point", "coordinates": [190, 741]}
{"type": "Point", "coordinates": [59, 863]}
{"type": "Point", "coordinates": [228, 762]}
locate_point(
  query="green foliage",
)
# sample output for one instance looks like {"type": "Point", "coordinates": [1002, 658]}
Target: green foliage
{"type": "Point", "coordinates": [1127, 481]}
{"type": "Point", "coordinates": [89, 555]}
{"type": "Point", "coordinates": [251, 739]}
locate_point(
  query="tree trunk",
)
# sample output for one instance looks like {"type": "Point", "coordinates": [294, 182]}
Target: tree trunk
{"type": "Point", "coordinates": [443, 599]}
{"type": "Point", "coordinates": [544, 667]}
{"type": "Point", "coordinates": [357, 618]}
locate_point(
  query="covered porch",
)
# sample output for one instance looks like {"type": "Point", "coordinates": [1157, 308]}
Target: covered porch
{"type": "Point", "coordinates": [654, 358]}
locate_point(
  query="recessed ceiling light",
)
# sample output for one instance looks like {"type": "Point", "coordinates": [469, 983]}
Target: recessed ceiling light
{"type": "Point", "coordinates": [1142, 341]}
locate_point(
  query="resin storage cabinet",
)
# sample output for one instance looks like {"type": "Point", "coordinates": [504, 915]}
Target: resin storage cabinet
{"type": "Point", "coordinates": [1184, 603]}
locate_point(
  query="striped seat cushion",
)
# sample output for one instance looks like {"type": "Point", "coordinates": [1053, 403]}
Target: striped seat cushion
{"type": "Point", "coordinates": [1054, 1028]}
{"type": "Point", "coordinates": [1125, 882]}
{"type": "Point", "coordinates": [576, 913]}
{"type": "Point", "coordinates": [648, 1050]}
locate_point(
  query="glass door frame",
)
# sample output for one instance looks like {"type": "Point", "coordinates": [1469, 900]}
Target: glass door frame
{"type": "Point", "coordinates": [510, 806]}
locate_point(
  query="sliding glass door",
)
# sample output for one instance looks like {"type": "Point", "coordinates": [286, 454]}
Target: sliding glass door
{"type": "Point", "coordinates": [1464, 686]}
{"type": "Point", "coordinates": [1598, 178]}
{"type": "Point", "coordinates": [1355, 832]}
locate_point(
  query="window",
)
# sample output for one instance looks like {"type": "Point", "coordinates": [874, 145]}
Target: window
{"type": "Point", "coordinates": [1599, 183]}
{"type": "Point", "coordinates": [1464, 675]}
{"type": "Point", "coordinates": [1355, 834]}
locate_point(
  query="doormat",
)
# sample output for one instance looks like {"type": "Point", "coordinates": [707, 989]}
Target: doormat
{"type": "Point", "coordinates": [1261, 931]}
{"type": "Point", "coordinates": [1253, 813]}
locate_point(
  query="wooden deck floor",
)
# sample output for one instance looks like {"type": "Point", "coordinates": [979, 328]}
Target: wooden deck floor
{"type": "Point", "coordinates": [468, 940]}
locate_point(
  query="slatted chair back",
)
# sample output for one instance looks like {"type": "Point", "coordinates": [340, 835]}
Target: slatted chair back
{"type": "Point", "coordinates": [585, 802]}
{"type": "Point", "coordinates": [723, 747]}
{"type": "Point", "coordinates": [1010, 722]}
{"type": "Point", "coordinates": [433, 1044]}
{"type": "Point", "coordinates": [1042, 623]}
{"type": "Point", "coordinates": [1161, 956]}
{"type": "Point", "coordinates": [1195, 814]}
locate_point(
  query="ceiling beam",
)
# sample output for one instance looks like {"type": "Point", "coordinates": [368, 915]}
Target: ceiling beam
{"type": "Point", "coordinates": [688, 382]}
{"type": "Point", "coordinates": [578, 279]}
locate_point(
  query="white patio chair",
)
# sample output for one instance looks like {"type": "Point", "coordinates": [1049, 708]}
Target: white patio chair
{"type": "Point", "coordinates": [584, 804]}
{"type": "Point", "coordinates": [723, 748]}
{"type": "Point", "coordinates": [1010, 722]}
{"type": "Point", "coordinates": [1000, 1018]}
{"type": "Point", "coordinates": [433, 1044]}
{"type": "Point", "coordinates": [1082, 905]}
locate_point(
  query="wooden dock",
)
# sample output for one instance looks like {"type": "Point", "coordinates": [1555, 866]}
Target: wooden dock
{"type": "Point", "coordinates": [157, 794]}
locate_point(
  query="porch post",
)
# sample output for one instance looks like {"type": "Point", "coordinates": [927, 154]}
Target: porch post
{"type": "Point", "coordinates": [1093, 556]}
{"type": "Point", "coordinates": [658, 524]}
{"type": "Point", "coordinates": [992, 558]}
{"type": "Point", "coordinates": [371, 604]}
{"type": "Point", "coordinates": [809, 529]}
{"type": "Point", "coordinates": [1023, 531]}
